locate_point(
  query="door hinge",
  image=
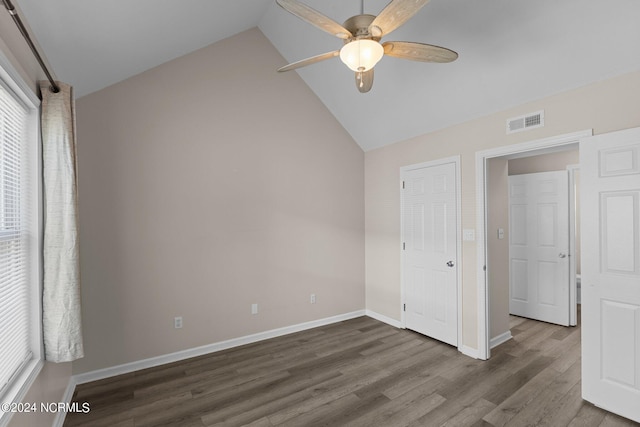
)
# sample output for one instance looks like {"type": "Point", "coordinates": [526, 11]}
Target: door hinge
{"type": "Point", "coordinates": [403, 184]}
{"type": "Point", "coordinates": [403, 246]}
{"type": "Point", "coordinates": [484, 268]}
{"type": "Point", "coordinates": [404, 307]}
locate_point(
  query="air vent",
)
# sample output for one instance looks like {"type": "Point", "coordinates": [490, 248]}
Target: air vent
{"type": "Point", "coordinates": [526, 122]}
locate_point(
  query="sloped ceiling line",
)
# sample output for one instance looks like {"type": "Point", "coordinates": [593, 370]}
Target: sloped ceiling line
{"type": "Point", "coordinates": [511, 52]}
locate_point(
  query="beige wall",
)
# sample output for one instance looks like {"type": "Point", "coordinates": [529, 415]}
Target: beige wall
{"type": "Point", "coordinates": [544, 163]}
{"type": "Point", "coordinates": [207, 184]}
{"type": "Point", "coordinates": [50, 384]}
{"type": "Point", "coordinates": [498, 249]}
{"type": "Point", "coordinates": [605, 106]}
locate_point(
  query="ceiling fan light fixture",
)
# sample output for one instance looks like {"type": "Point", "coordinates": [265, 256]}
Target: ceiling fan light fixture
{"type": "Point", "coordinates": [361, 55]}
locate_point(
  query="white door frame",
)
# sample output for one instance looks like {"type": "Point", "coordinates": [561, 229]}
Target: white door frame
{"type": "Point", "coordinates": [531, 147]}
{"type": "Point", "coordinates": [403, 170]}
{"type": "Point", "coordinates": [573, 289]}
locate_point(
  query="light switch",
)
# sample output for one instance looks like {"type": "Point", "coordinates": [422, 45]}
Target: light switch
{"type": "Point", "coordinates": [500, 233]}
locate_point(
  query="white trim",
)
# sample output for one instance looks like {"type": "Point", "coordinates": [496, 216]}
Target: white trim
{"type": "Point", "coordinates": [468, 351]}
{"type": "Point", "coordinates": [404, 169]}
{"type": "Point", "coordinates": [13, 79]}
{"type": "Point", "coordinates": [209, 348]}
{"type": "Point", "coordinates": [573, 303]}
{"type": "Point", "coordinates": [67, 397]}
{"type": "Point", "coordinates": [430, 163]}
{"type": "Point", "coordinates": [173, 357]}
{"type": "Point", "coordinates": [502, 338]}
{"type": "Point", "coordinates": [481, 272]}
{"type": "Point", "coordinates": [384, 319]}
{"type": "Point", "coordinates": [459, 247]}
{"type": "Point", "coordinates": [22, 385]}
{"type": "Point", "coordinates": [556, 142]}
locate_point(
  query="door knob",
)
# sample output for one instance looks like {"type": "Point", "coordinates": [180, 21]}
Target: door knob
{"type": "Point", "coordinates": [561, 255]}
{"type": "Point", "coordinates": [450, 263]}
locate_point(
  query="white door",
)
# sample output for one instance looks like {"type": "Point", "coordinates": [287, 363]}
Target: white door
{"type": "Point", "coordinates": [429, 222]}
{"type": "Point", "coordinates": [539, 246]}
{"type": "Point", "coordinates": [610, 173]}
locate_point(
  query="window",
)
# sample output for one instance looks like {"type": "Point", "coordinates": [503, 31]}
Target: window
{"type": "Point", "coordinates": [20, 333]}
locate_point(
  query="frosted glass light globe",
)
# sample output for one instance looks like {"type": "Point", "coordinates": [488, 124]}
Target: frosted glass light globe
{"type": "Point", "coordinates": [361, 55]}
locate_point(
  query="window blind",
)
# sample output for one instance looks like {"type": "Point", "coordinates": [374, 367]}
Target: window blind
{"type": "Point", "coordinates": [15, 263]}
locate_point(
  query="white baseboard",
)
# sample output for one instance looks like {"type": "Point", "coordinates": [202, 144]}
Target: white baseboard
{"type": "Point", "coordinates": [381, 317]}
{"type": "Point", "coordinates": [209, 348]}
{"type": "Point", "coordinates": [223, 345]}
{"type": "Point", "coordinates": [66, 398]}
{"type": "Point", "coordinates": [496, 341]}
{"type": "Point", "coordinates": [468, 351]}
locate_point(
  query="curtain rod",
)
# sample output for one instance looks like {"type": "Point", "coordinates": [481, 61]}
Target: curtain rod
{"type": "Point", "coordinates": [14, 14]}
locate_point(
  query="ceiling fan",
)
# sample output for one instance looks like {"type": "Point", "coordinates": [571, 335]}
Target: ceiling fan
{"type": "Point", "coordinates": [362, 33]}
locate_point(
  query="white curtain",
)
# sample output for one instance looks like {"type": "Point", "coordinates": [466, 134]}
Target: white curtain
{"type": "Point", "coordinates": [61, 290]}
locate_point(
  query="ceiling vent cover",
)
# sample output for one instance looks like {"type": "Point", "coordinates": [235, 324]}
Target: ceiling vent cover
{"type": "Point", "coordinates": [526, 122]}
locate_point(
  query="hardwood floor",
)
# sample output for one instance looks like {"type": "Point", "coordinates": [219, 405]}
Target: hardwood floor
{"type": "Point", "coordinates": [359, 372]}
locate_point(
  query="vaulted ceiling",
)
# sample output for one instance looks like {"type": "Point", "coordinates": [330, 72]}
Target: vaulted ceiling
{"type": "Point", "coordinates": [510, 51]}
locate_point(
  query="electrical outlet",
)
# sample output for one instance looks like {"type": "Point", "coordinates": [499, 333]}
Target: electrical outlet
{"type": "Point", "coordinates": [312, 299]}
{"type": "Point", "coordinates": [254, 308]}
{"type": "Point", "coordinates": [177, 322]}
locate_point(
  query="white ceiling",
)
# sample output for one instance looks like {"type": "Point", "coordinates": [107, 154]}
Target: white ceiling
{"type": "Point", "coordinates": [511, 51]}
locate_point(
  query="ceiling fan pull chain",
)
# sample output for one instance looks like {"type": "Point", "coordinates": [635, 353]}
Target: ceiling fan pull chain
{"type": "Point", "coordinates": [361, 7]}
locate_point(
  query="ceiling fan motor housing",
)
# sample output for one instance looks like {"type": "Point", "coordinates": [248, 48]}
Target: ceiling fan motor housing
{"type": "Point", "coordinates": [359, 26]}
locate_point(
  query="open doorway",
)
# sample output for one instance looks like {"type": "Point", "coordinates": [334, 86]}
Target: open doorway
{"type": "Point", "coordinates": [546, 146]}
{"type": "Point", "coordinates": [527, 276]}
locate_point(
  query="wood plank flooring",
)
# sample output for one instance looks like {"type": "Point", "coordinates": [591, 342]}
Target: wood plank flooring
{"type": "Point", "coordinates": [360, 372]}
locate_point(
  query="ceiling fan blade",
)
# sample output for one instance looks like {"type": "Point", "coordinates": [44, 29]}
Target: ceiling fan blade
{"type": "Point", "coordinates": [364, 80]}
{"type": "Point", "coordinates": [396, 13]}
{"type": "Point", "coordinates": [309, 61]}
{"type": "Point", "coordinates": [419, 52]}
{"type": "Point", "coordinates": [315, 18]}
